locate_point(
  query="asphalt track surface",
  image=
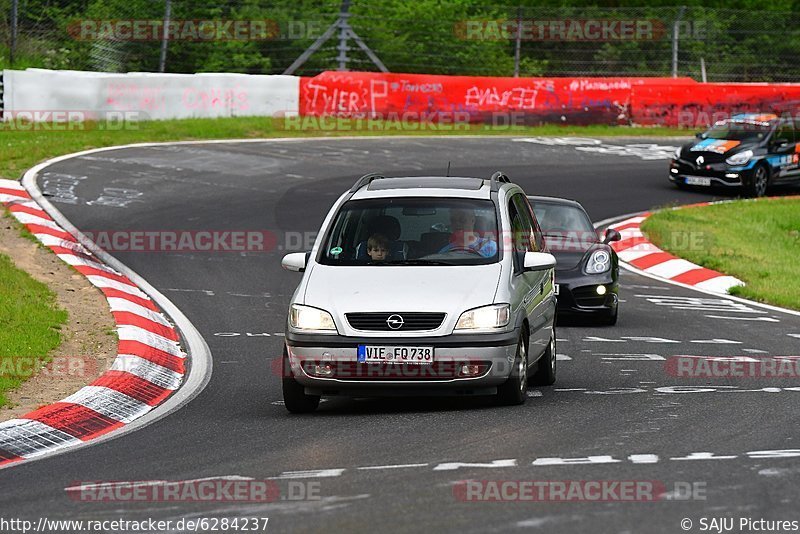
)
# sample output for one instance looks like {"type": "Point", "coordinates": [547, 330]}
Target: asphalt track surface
{"type": "Point", "coordinates": [613, 397]}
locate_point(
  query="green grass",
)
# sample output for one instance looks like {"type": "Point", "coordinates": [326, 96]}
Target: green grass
{"type": "Point", "coordinates": [757, 241]}
{"type": "Point", "coordinates": [21, 149]}
{"type": "Point", "coordinates": [30, 321]}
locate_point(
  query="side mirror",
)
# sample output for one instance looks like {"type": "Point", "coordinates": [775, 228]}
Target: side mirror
{"type": "Point", "coordinates": [701, 135]}
{"type": "Point", "coordinates": [611, 235]}
{"type": "Point", "coordinates": [296, 261]}
{"type": "Point", "coordinates": [538, 261]}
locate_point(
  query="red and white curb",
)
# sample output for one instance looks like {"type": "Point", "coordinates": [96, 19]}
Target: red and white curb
{"type": "Point", "coordinates": [149, 367]}
{"type": "Point", "coordinates": [635, 250]}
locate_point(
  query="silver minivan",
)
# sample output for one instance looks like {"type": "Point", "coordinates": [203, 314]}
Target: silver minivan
{"type": "Point", "coordinates": [422, 286]}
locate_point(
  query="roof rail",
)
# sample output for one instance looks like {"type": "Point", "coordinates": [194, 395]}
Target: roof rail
{"type": "Point", "coordinates": [498, 178]}
{"type": "Point", "coordinates": [365, 180]}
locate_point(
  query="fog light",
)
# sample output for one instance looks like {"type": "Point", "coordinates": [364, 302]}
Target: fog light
{"type": "Point", "coordinates": [470, 370]}
{"type": "Point", "coordinates": [601, 290]}
{"type": "Point", "coordinates": [324, 369]}
{"type": "Point", "coordinates": [674, 171]}
{"type": "Point", "coordinates": [731, 175]}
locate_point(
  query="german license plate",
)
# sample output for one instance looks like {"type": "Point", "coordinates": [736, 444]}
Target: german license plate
{"type": "Point", "coordinates": [386, 354]}
{"type": "Point", "coordinates": [698, 180]}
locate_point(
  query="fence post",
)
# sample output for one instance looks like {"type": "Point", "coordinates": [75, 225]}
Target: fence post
{"type": "Point", "coordinates": [675, 37]}
{"type": "Point", "coordinates": [162, 60]}
{"type": "Point", "coordinates": [518, 43]}
{"type": "Point", "coordinates": [13, 45]}
{"type": "Point", "coordinates": [344, 13]}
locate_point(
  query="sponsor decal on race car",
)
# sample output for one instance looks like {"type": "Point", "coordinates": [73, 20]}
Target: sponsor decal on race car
{"type": "Point", "coordinates": [718, 146]}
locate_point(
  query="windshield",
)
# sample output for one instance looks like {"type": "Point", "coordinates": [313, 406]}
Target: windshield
{"type": "Point", "coordinates": [412, 231]}
{"type": "Point", "coordinates": [561, 223]}
{"type": "Point", "coordinates": [748, 131]}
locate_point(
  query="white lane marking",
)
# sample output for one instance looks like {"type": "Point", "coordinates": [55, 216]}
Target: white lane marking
{"type": "Point", "coordinates": [636, 458]}
{"type": "Point", "coordinates": [603, 339]}
{"type": "Point", "coordinates": [699, 303]}
{"type": "Point", "coordinates": [613, 356]}
{"type": "Point", "coordinates": [562, 358]}
{"type": "Point", "coordinates": [716, 341]}
{"type": "Point", "coordinates": [569, 389]}
{"type": "Point", "coordinates": [703, 456]}
{"type": "Point", "coordinates": [643, 458]}
{"type": "Point", "coordinates": [206, 292]}
{"type": "Point", "coordinates": [755, 351]}
{"type": "Point", "coordinates": [794, 335]}
{"type": "Point", "coordinates": [762, 319]}
{"type": "Point", "coordinates": [391, 466]}
{"type": "Point", "coordinates": [648, 339]}
{"type": "Point", "coordinates": [149, 483]}
{"type": "Point", "coordinates": [629, 371]}
{"type": "Point", "coordinates": [451, 466]}
{"type": "Point", "coordinates": [311, 473]}
{"type": "Point", "coordinates": [601, 459]}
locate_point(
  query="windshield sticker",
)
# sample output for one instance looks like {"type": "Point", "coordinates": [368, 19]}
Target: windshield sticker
{"type": "Point", "coordinates": [335, 251]}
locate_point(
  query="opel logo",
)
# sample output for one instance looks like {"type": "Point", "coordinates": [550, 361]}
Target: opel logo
{"type": "Point", "coordinates": [395, 322]}
{"type": "Point", "coordinates": [700, 160]}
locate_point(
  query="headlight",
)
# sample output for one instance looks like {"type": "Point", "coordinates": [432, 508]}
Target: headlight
{"type": "Point", "coordinates": [740, 159]}
{"type": "Point", "coordinates": [599, 262]}
{"type": "Point", "coordinates": [308, 318]}
{"type": "Point", "coordinates": [677, 153]}
{"type": "Point", "coordinates": [485, 318]}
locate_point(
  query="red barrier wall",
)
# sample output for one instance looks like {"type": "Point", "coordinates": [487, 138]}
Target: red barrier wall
{"type": "Point", "coordinates": [648, 101]}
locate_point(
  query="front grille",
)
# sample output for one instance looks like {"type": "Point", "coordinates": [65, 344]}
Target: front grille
{"type": "Point", "coordinates": [411, 321]}
{"type": "Point", "coordinates": [587, 296]}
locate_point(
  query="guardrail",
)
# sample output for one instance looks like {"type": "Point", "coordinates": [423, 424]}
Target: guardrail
{"type": "Point", "coordinates": [411, 97]}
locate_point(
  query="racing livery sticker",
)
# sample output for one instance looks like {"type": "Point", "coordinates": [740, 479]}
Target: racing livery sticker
{"type": "Point", "coordinates": [718, 146]}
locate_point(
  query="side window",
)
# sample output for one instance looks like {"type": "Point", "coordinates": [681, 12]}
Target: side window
{"type": "Point", "coordinates": [784, 133]}
{"type": "Point", "coordinates": [537, 242]}
{"type": "Point", "coordinates": [523, 234]}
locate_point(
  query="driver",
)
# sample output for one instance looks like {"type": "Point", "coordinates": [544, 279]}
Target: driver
{"type": "Point", "coordinates": [463, 236]}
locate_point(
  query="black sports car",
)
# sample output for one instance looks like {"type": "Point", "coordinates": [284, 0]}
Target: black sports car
{"type": "Point", "coordinates": [587, 268]}
{"type": "Point", "coordinates": [750, 151]}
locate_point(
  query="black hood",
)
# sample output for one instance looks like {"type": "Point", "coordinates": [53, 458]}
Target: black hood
{"type": "Point", "coordinates": [714, 150]}
{"type": "Point", "coordinates": [570, 253]}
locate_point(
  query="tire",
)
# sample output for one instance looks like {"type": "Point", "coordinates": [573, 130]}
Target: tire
{"type": "Point", "coordinates": [514, 391]}
{"type": "Point", "coordinates": [294, 396]}
{"type": "Point", "coordinates": [546, 372]}
{"type": "Point", "coordinates": [760, 183]}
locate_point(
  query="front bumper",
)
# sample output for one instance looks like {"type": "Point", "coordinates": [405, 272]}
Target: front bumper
{"type": "Point", "coordinates": [493, 354]}
{"type": "Point", "coordinates": [720, 173]}
{"type": "Point", "coordinates": [577, 293]}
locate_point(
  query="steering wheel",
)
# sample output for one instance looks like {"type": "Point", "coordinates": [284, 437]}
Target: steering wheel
{"type": "Point", "coordinates": [465, 249]}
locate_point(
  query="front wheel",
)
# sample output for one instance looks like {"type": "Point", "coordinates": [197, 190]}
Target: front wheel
{"type": "Point", "coordinates": [294, 395]}
{"type": "Point", "coordinates": [760, 182]}
{"type": "Point", "coordinates": [546, 372]}
{"type": "Point", "coordinates": [514, 391]}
